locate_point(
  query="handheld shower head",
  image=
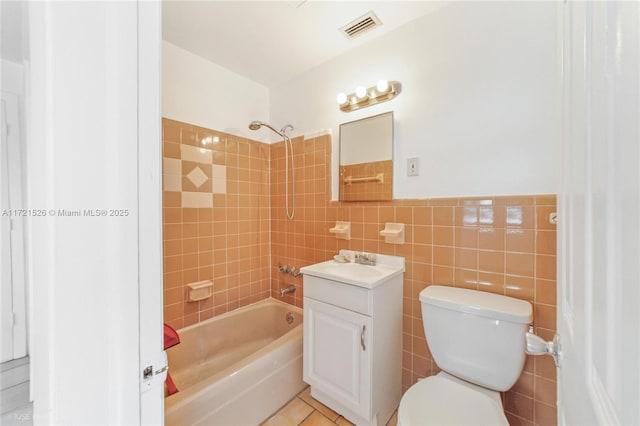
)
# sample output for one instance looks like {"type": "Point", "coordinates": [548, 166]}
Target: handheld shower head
{"type": "Point", "coordinates": [255, 125]}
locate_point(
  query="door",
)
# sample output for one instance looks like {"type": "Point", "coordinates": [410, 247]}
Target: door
{"type": "Point", "coordinates": [337, 354]}
{"type": "Point", "coordinates": [93, 172]}
{"type": "Point", "coordinates": [12, 271]}
{"type": "Point", "coordinates": [150, 214]}
{"type": "Point", "coordinates": [599, 211]}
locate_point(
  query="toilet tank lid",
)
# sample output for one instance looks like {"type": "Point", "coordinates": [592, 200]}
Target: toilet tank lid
{"type": "Point", "coordinates": [480, 303]}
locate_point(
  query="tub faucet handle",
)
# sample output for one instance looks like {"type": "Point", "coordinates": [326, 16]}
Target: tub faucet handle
{"type": "Point", "coordinates": [295, 272]}
{"type": "Point", "coordinates": [284, 268]}
{"type": "Point", "coordinates": [287, 290]}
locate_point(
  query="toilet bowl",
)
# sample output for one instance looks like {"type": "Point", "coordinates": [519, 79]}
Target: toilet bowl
{"type": "Point", "coordinates": [446, 400]}
{"type": "Point", "coordinates": [478, 341]}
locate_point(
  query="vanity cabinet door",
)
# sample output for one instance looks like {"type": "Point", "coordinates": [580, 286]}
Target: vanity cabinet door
{"type": "Point", "coordinates": [337, 354]}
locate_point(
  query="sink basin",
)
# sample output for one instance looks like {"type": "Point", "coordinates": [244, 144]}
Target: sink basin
{"type": "Point", "coordinates": [356, 274]}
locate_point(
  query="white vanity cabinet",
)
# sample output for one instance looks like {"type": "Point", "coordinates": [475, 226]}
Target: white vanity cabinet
{"type": "Point", "coordinates": [353, 337]}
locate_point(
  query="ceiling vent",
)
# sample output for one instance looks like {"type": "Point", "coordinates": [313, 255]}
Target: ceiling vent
{"type": "Point", "coordinates": [366, 22]}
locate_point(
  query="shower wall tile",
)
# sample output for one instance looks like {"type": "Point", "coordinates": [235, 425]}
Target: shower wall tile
{"type": "Point", "coordinates": [172, 166]}
{"type": "Point", "coordinates": [219, 179]}
{"type": "Point", "coordinates": [206, 233]}
{"type": "Point", "coordinates": [198, 177]}
{"type": "Point", "coordinates": [197, 200]}
{"type": "Point", "coordinates": [199, 155]}
{"type": "Point", "coordinates": [172, 182]}
{"type": "Point", "coordinates": [172, 174]}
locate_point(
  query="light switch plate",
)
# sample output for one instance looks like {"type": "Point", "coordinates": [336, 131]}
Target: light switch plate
{"type": "Point", "coordinates": [413, 166]}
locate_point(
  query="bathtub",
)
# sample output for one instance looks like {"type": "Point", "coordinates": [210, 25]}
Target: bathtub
{"type": "Point", "coordinates": [237, 368]}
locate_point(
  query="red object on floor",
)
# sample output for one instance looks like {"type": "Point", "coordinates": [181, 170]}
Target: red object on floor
{"type": "Point", "coordinates": [171, 338]}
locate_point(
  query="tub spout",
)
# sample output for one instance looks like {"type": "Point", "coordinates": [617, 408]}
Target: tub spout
{"type": "Point", "coordinates": [287, 290]}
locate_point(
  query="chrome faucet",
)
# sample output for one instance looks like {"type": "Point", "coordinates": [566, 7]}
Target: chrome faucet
{"type": "Point", "coordinates": [366, 259]}
{"type": "Point", "coordinates": [291, 270]}
{"type": "Point", "coordinates": [287, 290]}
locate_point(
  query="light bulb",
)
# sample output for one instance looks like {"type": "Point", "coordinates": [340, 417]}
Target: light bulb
{"type": "Point", "coordinates": [341, 98]}
{"type": "Point", "coordinates": [382, 86]}
{"type": "Point", "coordinates": [361, 92]}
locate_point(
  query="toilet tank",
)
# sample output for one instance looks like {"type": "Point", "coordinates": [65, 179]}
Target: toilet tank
{"type": "Point", "coordinates": [476, 336]}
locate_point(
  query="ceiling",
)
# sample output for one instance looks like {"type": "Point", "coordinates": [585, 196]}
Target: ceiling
{"type": "Point", "coordinates": [271, 42]}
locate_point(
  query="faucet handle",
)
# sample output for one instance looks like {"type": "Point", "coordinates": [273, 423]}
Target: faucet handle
{"type": "Point", "coordinates": [365, 258]}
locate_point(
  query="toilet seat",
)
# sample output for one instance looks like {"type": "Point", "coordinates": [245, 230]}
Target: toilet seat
{"type": "Point", "coordinates": [446, 400]}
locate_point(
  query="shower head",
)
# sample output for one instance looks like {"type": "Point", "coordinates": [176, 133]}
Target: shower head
{"type": "Point", "coordinates": [255, 125]}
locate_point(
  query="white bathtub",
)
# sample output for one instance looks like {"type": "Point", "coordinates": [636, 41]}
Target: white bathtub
{"type": "Point", "coordinates": [238, 368]}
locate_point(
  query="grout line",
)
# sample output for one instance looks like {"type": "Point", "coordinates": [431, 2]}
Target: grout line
{"type": "Point", "coordinates": [308, 415]}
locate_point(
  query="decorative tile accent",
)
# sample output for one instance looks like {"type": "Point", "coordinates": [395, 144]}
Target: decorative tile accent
{"type": "Point", "coordinates": [171, 171]}
{"type": "Point", "coordinates": [199, 155]}
{"type": "Point", "coordinates": [197, 200]}
{"type": "Point", "coordinates": [197, 177]}
{"type": "Point", "coordinates": [172, 166]}
{"type": "Point", "coordinates": [172, 183]}
{"type": "Point", "coordinates": [219, 179]}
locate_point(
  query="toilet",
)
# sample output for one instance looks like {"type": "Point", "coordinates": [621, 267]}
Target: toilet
{"type": "Point", "coordinates": [478, 341]}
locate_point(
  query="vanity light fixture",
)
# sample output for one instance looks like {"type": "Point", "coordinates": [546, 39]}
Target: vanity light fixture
{"type": "Point", "coordinates": [363, 97]}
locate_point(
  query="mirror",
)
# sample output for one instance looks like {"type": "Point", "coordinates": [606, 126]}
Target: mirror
{"type": "Point", "coordinates": [366, 158]}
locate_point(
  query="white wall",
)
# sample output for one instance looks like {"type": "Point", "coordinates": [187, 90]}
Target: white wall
{"type": "Point", "coordinates": [479, 105]}
{"type": "Point", "coordinates": [12, 75]}
{"type": "Point", "coordinates": [199, 92]}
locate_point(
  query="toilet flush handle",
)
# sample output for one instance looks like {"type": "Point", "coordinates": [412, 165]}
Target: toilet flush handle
{"type": "Point", "coordinates": [538, 346]}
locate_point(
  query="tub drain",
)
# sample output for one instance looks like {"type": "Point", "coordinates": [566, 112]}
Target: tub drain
{"type": "Point", "coordinates": [289, 317]}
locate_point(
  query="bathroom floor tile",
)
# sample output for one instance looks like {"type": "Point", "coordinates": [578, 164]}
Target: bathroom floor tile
{"type": "Point", "coordinates": [343, 422]}
{"type": "Point", "coordinates": [303, 410]}
{"type": "Point", "coordinates": [328, 412]}
{"type": "Point", "coordinates": [393, 421]}
{"type": "Point", "coordinates": [293, 413]}
{"type": "Point", "coordinates": [317, 419]}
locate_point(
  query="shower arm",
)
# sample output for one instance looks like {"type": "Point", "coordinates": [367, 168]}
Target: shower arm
{"type": "Point", "coordinates": [283, 131]}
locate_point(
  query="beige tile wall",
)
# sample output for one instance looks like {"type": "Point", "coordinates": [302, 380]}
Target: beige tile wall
{"type": "Point", "coordinates": [498, 244]}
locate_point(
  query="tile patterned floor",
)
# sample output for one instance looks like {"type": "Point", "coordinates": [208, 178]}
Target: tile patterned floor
{"type": "Point", "coordinates": [303, 410]}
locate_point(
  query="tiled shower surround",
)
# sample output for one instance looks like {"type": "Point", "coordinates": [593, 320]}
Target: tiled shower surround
{"type": "Point", "coordinates": [504, 245]}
